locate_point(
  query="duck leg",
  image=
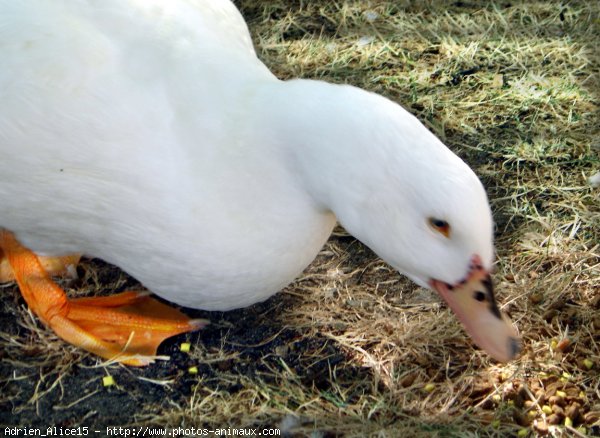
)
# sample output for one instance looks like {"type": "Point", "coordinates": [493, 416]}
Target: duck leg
{"type": "Point", "coordinates": [127, 327]}
{"type": "Point", "coordinates": [54, 266]}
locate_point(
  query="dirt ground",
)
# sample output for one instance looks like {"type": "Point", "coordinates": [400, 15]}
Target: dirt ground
{"type": "Point", "coordinates": [352, 348]}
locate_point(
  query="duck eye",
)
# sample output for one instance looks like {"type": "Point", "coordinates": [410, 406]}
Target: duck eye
{"type": "Point", "coordinates": [440, 225]}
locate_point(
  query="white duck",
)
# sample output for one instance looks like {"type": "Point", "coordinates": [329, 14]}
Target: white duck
{"type": "Point", "coordinates": [148, 133]}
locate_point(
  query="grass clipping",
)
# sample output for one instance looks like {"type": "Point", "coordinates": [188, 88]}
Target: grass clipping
{"type": "Point", "coordinates": [352, 348]}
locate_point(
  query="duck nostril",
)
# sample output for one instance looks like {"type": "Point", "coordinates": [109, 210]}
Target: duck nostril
{"type": "Point", "coordinates": [479, 296]}
{"type": "Point", "coordinates": [514, 346]}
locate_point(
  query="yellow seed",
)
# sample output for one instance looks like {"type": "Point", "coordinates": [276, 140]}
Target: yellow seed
{"type": "Point", "coordinates": [561, 394]}
{"type": "Point", "coordinates": [523, 432]}
{"type": "Point", "coordinates": [108, 381]}
{"type": "Point", "coordinates": [510, 403]}
{"type": "Point", "coordinates": [193, 370]}
{"type": "Point", "coordinates": [532, 413]}
{"type": "Point", "coordinates": [581, 394]}
{"type": "Point", "coordinates": [546, 409]}
{"type": "Point", "coordinates": [543, 375]}
{"type": "Point", "coordinates": [553, 344]}
{"type": "Point", "coordinates": [429, 387]}
{"type": "Point", "coordinates": [185, 347]}
{"type": "Point", "coordinates": [568, 422]}
{"type": "Point", "coordinates": [588, 363]}
{"type": "Point", "coordinates": [496, 398]}
{"type": "Point", "coordinates": [566, 375]}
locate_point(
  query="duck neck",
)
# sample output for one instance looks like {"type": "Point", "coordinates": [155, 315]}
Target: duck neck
{"type": "Point", "coordinates": [317, 127]}
{"type": "Point", "coordinates": [334, 143]}
{"type": "Point", "coordinates": [356, 154]}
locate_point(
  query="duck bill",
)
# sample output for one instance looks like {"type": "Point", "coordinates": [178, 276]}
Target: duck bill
{"type": "Point", "coordinates": [473, 302]}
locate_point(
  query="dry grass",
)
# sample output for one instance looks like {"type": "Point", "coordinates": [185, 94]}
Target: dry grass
{"type": "Point", "coordinates": [351, 348]}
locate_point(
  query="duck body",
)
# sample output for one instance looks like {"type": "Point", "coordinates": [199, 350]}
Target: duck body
{"type": "Point", "coordinates": [148, 133]}
{"type": "Point", "coordinates": [124, 155]}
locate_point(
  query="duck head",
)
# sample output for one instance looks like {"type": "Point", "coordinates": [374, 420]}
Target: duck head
{"type": "Point", "coordinates": [439, 233]}
{"type": "Point", "coordinates": [397, 188]}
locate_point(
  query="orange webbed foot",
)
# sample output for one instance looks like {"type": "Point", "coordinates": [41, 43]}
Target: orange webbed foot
{"type": "Point", "coordinates": [134, 321]}
{"type": "Point", "coordinates": [126, 328]}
